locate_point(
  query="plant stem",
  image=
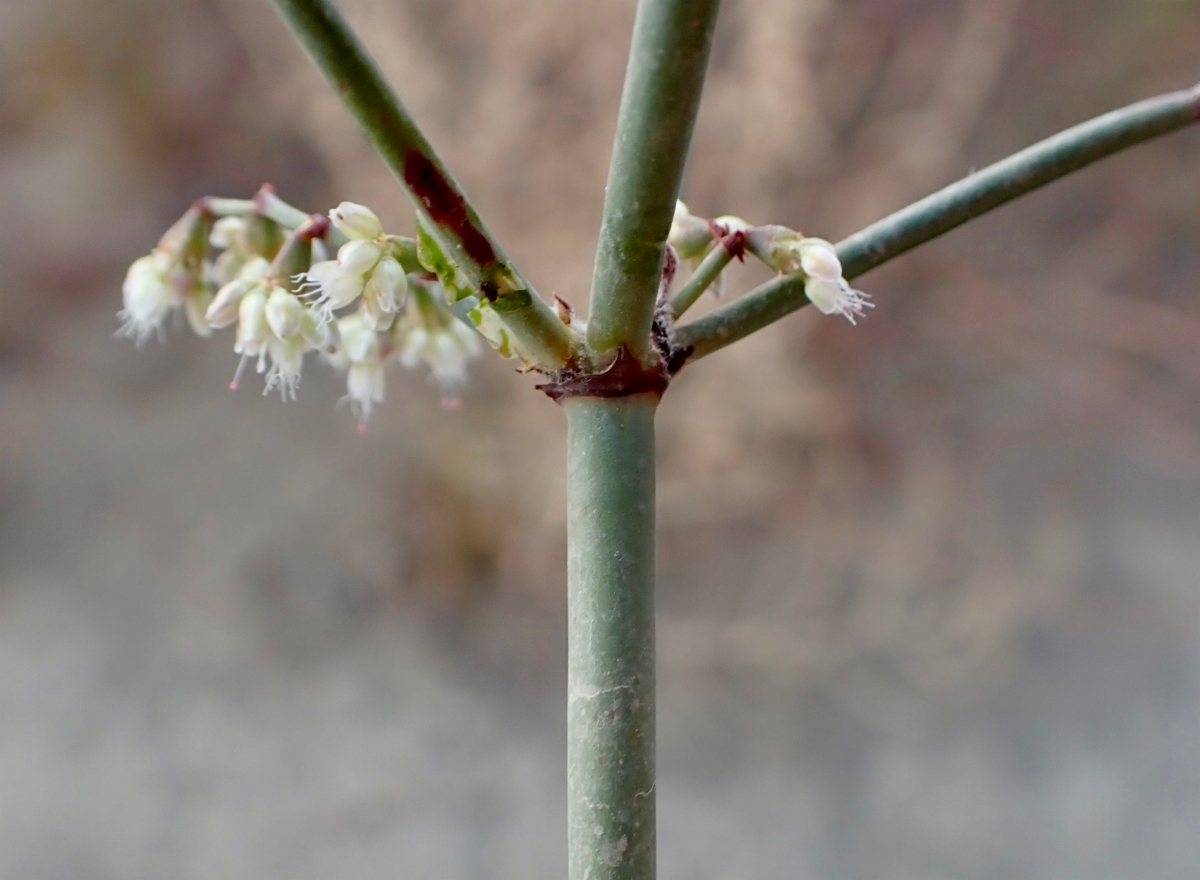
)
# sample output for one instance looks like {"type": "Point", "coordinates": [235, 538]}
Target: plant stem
{"type": "Point", "coordinates": [610, 607]}
{"type": "Point", "coordinates": [952, 206]}
{"type": "Point", "coordinates": [349, 68]}
{"type": "Point", "coordinates": [706, 273]}
{"type": "Point", "coordinates": [667, 62]}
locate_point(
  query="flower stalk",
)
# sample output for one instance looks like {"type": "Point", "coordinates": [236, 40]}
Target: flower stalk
{"type": "Point", "coordinates": [950, 207]}
{"type": "Point", "coordinates": [706, 273]}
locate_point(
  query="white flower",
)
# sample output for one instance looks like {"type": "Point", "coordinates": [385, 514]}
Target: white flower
{"type": "Point", "coordinates": [277, 329]}
{"type": "Point", "coordinates": [384, 293]}
{"type": "Point", "coordinates": [223, 310]}
{"type": "Point", "coordinates": [360, 354]}
{"type": "Point", "coordinates": [229, 236]}
{"type": "Point", "coordinates": [444, 349]}
{"type": "Point", "coordinates": [228, 232]}
{"type": "Point", "coordinates": [819, 259]}
{"type": "Point", "coordinates": [690, 235]}
{"type": "Point", "coordinates": [363, 266]}
{"type": "Point", "coordinates": [155, 286]}
{"type": "Point", "coordinates": [149, 297]}
{"type": "Point", "coordinates": [356, 221]}
{"type": "Point", "coordinates": [836, 297]}
{"type": "Point", "coordinates": [335, 287]}
{"type": "Point", "coordinates": [284, 313]}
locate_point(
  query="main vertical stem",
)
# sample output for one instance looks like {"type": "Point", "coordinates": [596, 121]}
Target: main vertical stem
{"type": "Point", "coordinates": [610, 631]}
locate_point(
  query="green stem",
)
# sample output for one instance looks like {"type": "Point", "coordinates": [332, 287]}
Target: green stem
{"type": "Point", "coordinates": [231, 207]}
{"type": "Point", "coordinates": [952, 206]}
{"type": "Point", "coordinates": [706, 273]}
{"type": "Point", "coordinates": [610, 608]}
{"type": "Point", "coordinates": [349, 68]}
{"type": "Point", "coordinates": [667, 63]}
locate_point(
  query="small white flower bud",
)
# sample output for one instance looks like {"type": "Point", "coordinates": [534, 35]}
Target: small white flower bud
{"type": "Point", "coordinates": [390, 283]}
{"type": "Point", "coordinates": [356, 221]}
{"type": "Point", "coordinates": [728, 223]}
{"type": "Point", "coordinates": [223, 310]}
{"type": "Point", "coordinates": [690, 235]}
{"type": "Point", "coordinates": [253, 330]}
{"type": "Point", "coordinates": [228, 232]}
{"type": "Point", "coordinates": [284, 313]}
{"type": "Point", "coordinates": [819, 259]}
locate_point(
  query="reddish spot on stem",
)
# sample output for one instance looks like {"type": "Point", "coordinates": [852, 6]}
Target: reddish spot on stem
{"type": "Point", "coordinates": [445, 206]}
{"type": "Point", "coordinates": [735, 244]}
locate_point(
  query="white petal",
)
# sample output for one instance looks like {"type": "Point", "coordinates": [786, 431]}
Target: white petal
{"type": "Point", "coordinates": [391, 284]}
{"type": "Point", "coordinates": [253, 329]}
{"type": "Point", "coordinates": [356, 221]}
{"type": "Point", "coordinates": [284, 313]}
{"type": "Point", "coordinates": [223, 310]}
{"type": "Point", "coordinates": [360, 344]}
{"type": "Point", "coordinates": [359, 257]}
{"type": "Point", "coordinates": [819, 260]}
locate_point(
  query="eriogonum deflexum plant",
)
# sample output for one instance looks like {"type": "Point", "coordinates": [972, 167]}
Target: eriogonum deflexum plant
{"type": "Point", "coordinates": [340, 288]}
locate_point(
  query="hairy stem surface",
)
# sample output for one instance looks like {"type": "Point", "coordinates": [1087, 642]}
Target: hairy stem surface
{"type": "Point", "coordinates": [610, 607]}
{"type": "Point", "coordinates": [346, 64]}
{"type": "Point", "coordinates": [952, 206]}
{"type": "Point", "coordinates": [667, 63]}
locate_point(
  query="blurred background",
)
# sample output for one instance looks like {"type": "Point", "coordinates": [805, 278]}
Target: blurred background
{"type": "Point", "coordinates": [929, 586]}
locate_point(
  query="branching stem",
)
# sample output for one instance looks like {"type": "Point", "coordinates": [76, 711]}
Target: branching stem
{"type": "Point", "coordinates": [952, 206]}
{"type": "Point", "coordinates": [667, 62]}
{"type": "Point", "coordinates": [706, 273]}
{"type": "Point", "coordinates": [349, 68]}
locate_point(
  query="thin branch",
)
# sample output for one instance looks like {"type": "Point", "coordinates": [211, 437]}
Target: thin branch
{"type": "Point", "coordinates": [349, 68]}
{"type": "Point", "coordinates": [952, 206]}
{"type": "Point", "coordinates": [706, 273]}
{"type": "Point", "coordinates": [667, 62]}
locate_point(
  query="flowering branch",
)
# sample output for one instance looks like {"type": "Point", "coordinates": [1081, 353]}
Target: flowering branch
{"type": "Point", "coordinates": [667, 62]}
{"type": "Point", "coordinates": [454, 222]}
{"type": "Point", "coordinates": [952, 206]}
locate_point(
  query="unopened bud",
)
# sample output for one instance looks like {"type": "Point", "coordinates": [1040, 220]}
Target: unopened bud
{"type": "Point", "coordinates": [819, 259]}
{"type": "Point", "coordinates": [356, 221]}
{"type": "Point", "coordinates": [690, 235]}
{"type": "Point", "coordinates": [284, 313]}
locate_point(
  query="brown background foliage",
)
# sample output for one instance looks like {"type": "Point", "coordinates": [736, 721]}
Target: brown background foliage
{"type": "Point", "coordinates": [928, 585]}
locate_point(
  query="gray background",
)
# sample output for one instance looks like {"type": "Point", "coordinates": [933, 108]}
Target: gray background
{"type": "Point", "coordinates": [928, 599]}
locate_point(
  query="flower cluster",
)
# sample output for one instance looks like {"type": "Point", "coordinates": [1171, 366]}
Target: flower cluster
{"type": "Point", "coordinates": [286, 299]}
{"type": "Point", "coordinates": [784, 250]}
